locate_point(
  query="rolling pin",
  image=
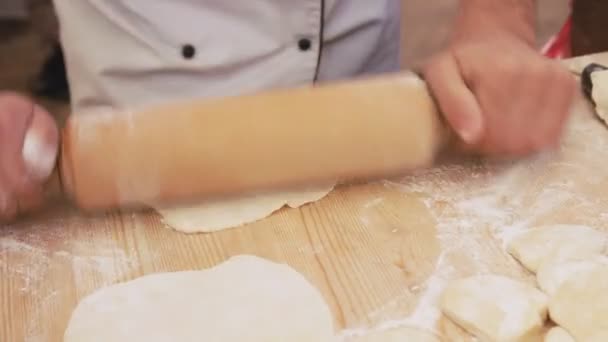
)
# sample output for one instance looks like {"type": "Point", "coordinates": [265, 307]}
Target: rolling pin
{"type": "Point", "coordinates": [342, 131]}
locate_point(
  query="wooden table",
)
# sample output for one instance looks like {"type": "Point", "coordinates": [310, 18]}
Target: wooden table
{"type": "Point", "coordinates": [380, 252]}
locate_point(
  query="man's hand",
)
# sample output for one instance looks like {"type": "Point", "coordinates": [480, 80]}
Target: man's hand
{"type": "Point", "coordinates": [28, 149]}
{"type": "Point", "coordinates": [497, 92]}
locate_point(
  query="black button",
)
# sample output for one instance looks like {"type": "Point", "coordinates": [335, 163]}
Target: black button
{"type": "Point", "coordinates": [304, 44]}
{"type": "Point", "coordinates": [188, 51]}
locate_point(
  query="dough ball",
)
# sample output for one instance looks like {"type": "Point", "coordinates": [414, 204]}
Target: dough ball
{"type": "Point", "coordinates": [496, 308]}
{"type": "Point", "coordinates": [229, 213]}
{"type": "Point", "coordinates": [244, 299]}
{"type": "Point", "coordinates": [580, 304]}
{"type": "Point", "coordinates": [396, 335]}
{"type": "Point", "coordinates": [552, 274]}
{"type": "Point", "coordinates": [556, 243]}
{"type": "Point", "coordinates": [558, 334]}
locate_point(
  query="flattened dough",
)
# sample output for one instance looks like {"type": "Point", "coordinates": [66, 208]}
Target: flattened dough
{"type": "Point", "coordinates": [396, 335]}
{"type": "Point", "coordinates": [580, 304]}
{"type": "Point", "coordinates": [556, 243]}
{"type": "Point", "coordinates": [217, 215]}
{"type": "Point", "coordinates": [496, 308]}
{"type": "Point", "coordinates": [558, 334]}
{"type": "Point", "coordinates": [552, 274]}
{"type": "Point", "coordinates": [246, 299]}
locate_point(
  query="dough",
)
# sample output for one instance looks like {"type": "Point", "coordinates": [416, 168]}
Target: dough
{"type": "Point", "coordinates": [552, 274]}
{"type": "Point", "coordinates": [396, 335]}
{"type": "Point", "coordinates": [217, 215]}
{"type": "Point", "coordinates": [557, 334]}
{"type": "Point", "coordinates": [580, 304]}
{"type": "Point", "coordinates": [556, 243]}
{"type": "Point", "coordinates": [244, 299]}
{"type": "Point", "coordinates": [600, 94]}
{"type": "Point", "coordinates": [577, 64]}
{"type": "Point", "coordinates": [496, 308]}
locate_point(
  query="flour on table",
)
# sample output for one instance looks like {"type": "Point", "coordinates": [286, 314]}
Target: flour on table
{"type": "Point", "coordinates": [246, 299]}
{"type": "Point", "coordinates": [222, 214]}
{"type": "Point", "coordinates": [496, 308]}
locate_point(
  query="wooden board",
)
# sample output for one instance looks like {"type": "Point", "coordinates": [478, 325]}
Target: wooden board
{"type": "Point", "coordinates": [380, 252]}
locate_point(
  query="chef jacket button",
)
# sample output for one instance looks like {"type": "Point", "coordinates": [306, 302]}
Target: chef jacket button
{"type": "Point", "coordinates": [304, 44]}
{"type": "Point", "coordinates": [188, 51]}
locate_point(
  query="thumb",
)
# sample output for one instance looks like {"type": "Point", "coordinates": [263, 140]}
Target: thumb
{"type": "Point", "coordinates": [40, 145]}
{"type": "Point", "coordinates": [457, 102]}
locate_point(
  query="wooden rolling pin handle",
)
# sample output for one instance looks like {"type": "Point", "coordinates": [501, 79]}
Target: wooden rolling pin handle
{"type": "Point", "coordinates": [354, 130]}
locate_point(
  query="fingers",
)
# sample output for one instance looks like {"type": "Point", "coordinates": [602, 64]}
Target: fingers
{"type": "Point", "coordinates": [510, 103]}
{"type": "Point", "coordinates": [540, 108]}
{"type": "Point", "coordinates": [28, 149]}
{"type": "Point", "coordinates": [8, 205]}
{"type": "Point", "coordinates": [30, 200]}
{"type": "Point", "coordinates": [456, 100]}
{"type": "Point", "coordinates": [15, 117]}
{"type": "Point", "coordinates": [40, 145]}
{"type": "Point", "coordinates": [556, 105]}
{"type": "Point", "coordinates": [513, 109]}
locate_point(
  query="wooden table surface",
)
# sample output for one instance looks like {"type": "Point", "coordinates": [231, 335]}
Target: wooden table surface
{"type": "Point", "coordinates": [379, 252]}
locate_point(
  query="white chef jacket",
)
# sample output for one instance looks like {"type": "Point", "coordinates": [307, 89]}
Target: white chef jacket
{"type": "Point", "coordinates": [123, 54]}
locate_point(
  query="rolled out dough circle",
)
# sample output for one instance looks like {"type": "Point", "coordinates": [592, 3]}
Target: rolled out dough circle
{"type": "Point", "coordinates": [216, 215]}
{"type": "Point", "coordinates": [246, 299]}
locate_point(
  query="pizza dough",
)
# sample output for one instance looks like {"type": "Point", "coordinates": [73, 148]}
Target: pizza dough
{"type": "Point", "coordinates": [580, 304]}
{"type": "Point", "coordinates": [221, 214]}
{"type": "Point", "coordinates": [244, 299]}
{"type": "Point", "coordinates": [556, 243]}
{"type": "Point", "coordinates": [496, 308]}
{"type": "Point", "coordinates": [396, 335]}
{"type": "Point", "coordinates": [558, 334]}
{"type": "Point", "coordinates": [552, 274]}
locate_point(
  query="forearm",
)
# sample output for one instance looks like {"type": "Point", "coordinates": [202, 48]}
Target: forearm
{"type": "Point", "coordinates": [517, 16]}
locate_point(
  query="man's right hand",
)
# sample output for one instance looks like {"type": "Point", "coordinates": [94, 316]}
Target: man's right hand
{"type": "Point", "coordinates": [28, 149]}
